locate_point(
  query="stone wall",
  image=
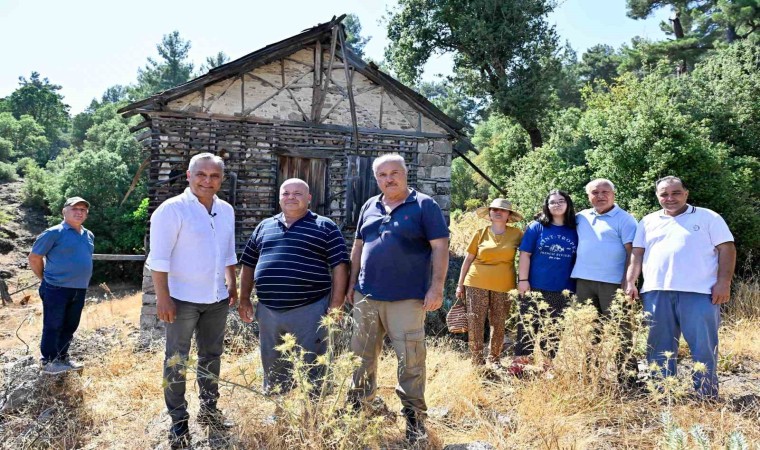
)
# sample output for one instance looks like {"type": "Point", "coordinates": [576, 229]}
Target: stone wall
{"type": "Point", "coordinates": [434, 172]}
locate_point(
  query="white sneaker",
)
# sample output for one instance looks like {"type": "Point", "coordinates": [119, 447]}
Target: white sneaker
{"type": "Point", "coordinates": [73, 364]}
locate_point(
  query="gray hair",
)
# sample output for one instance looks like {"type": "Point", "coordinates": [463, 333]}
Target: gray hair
{"type": "Point", "coordinates": [593, 183]}
{"type": "Point", "coordinates": [295, 181]}
{"type": "Point", "coordinates": [669, 179]}
{"type": "Point", "coordinates": [205, 157]}
{"type": "Point", "coordinates": [390, 157]}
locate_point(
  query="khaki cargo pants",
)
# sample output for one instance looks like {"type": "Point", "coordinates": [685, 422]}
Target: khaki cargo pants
{"type": "Point", "coordinates": [404, 322]}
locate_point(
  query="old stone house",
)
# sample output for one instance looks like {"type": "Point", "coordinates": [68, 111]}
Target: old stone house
{"type": "Point", "coordinates": [303, 107]}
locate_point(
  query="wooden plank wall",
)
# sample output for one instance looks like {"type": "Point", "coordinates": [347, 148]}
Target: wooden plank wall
{"type": "Point", "coordinates": [251, 151]}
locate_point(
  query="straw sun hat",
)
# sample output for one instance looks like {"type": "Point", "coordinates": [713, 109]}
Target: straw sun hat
{"type": "Point", "coordinates": [500, 203]}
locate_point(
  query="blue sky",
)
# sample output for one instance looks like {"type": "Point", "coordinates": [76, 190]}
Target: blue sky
{"type": "Point", "coordinates": [88, 45]}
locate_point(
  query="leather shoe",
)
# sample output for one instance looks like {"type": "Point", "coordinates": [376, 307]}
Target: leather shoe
{"type": "Point", "coordinates": [214, 418]}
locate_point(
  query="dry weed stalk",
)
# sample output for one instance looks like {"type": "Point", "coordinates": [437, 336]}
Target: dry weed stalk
{"type": "Point", "coordinates": [313, 414]}
{"type": "Point", "coordinates": [745, 299]}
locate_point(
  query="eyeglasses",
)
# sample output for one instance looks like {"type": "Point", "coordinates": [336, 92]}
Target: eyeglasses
{"type": "Point", "coordinates": [557, 203]}
{"type": "Point", "coordinates": [386, 220]}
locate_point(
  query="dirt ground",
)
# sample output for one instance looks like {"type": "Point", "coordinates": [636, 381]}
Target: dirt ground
{"type": "Point", "coordinates": [19, 226]}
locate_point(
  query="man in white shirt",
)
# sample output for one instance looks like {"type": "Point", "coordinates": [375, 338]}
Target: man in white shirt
{"type": "Point", "coordinates": [192, 255]}
{"type": "Point", "coordinates": [688, 258]}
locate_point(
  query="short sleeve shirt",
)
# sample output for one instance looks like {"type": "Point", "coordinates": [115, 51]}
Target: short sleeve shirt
{"type": "Point", "coordinates": [494, 265]}
{"type": "Point", "coordinates": [679, 252]}
{"type": "Point", "coordinates": [396, 252]}
{"type": "Point", "coordinates": [68, 255]}
{"type": "Point", "coordinates": [292, 265]}
{"type": "Point", "coordinates": [601, 244]}
{"type": "Point", "coordinates": [553, 250]}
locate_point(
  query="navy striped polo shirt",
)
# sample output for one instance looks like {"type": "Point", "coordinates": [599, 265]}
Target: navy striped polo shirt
{"type": "Point", "coordinates": [292, 265]}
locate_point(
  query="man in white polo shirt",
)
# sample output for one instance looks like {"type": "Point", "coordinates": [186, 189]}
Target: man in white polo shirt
{"type": "Point", "coordinates": [192, 261]}
{"type": "Point", "coordinates": [688, 258]}
{"type": "Point", "coordinates": [605, 234]}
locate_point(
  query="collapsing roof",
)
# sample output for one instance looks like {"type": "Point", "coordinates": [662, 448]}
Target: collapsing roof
{"type": "Point", "coordinates": [245, 90]}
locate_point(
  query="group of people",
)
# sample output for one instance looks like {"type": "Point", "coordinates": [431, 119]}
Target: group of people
{"type": "Point", "coordinates": [686, 254]}
{"type": "Point", "coordinates": [298, 264]}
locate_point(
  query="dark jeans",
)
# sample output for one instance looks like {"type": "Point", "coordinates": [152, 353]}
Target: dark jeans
{"type": "Point", "coordinates": [61, 311]}
{"type": "Point", "coordinates": [208, 322]}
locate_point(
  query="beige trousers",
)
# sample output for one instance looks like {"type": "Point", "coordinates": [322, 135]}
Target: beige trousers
{"type": "Point", "coordinates": [404, 322]}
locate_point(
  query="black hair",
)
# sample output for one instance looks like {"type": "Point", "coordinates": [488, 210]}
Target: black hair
{"type": "Point", "coordinates": [545, 217]}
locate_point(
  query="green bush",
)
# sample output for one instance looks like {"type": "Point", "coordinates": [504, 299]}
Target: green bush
{"type": "Point", "coordinates": [472, 204]}
{"type": "Point", "coordinates": [24, 165]}
{"type": "Point", "coordinates": [541, 171]}
{"type": "Point", "coordinates": [36, 182]}
{"type": "Point", "coordinates": [6, 149]}
{"type": "Point", "coordinates": [7, 172]}
{"type": "Point", "coordinates": [638, 134]}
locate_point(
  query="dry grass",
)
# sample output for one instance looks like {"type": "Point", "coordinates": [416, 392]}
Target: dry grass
{"type": "Point", "coordinates": [118, 403]}
{"type": "Point", "coordinates": [462, 230]}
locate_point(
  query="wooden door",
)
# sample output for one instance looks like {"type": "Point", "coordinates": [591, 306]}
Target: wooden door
{"type": "Point", "coordinates": [313, 171]}
{"type": "Point", "coordinates": [360, 187]}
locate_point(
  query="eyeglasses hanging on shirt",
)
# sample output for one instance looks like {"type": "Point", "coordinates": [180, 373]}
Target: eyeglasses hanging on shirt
{"type": "Point", "coordinates": [386, 219]}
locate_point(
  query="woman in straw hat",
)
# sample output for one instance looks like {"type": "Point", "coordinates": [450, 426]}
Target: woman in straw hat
{"type": "Point", "coordinates": [488, 273]}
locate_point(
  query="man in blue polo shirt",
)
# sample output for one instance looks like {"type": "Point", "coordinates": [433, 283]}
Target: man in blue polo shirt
{"type": "Point", "coordinates": [398, 267]}
{"type": "Point", "coordinates": [299, 264]}
{"type": "Point", "coordinates": [62, 259]}
{"type": "Point", "coordinates": [605, 234]}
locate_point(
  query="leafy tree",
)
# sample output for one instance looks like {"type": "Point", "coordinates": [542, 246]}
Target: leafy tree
{"type": "Point", "coordinates": [638, 134]}
{"type": "Point", "coordinates": [724, 93]}
{"type": "Point", "coordinates": [569, 82]}
{"type": "Point", "coordinates": [599, 63]}
{"type": "Point", "coordinates": [114, 94]}
{"type": "Point", "coordinates": [539, 172]}
{"type": "Point", "coordinates": [114, 136]}
{"type": "Point", "coordinates": [102, 178]}
{"type": "Point", "coordinates": [504, 51]}
{"type": "Point", "coordinates": [450, 99]}
{"type": "Point", "coordinates": [39, 98]}
{"type": "Point", "coordinates": [217, 60]}
{"type": "Point", "coordinates": [500, 142]}
{"type": "Point", "coordinates": [172, 69]}
{"type": "Point", "coordinates": [23, 137]}
{"type": "Point", "coordinates": [354, 39]}
{"type": "Point", "coordinates": [698, 26]}
{"type": "Point", "coordinates": [6, 149]}
{"type": "Point", "coordinates": [638, 57]}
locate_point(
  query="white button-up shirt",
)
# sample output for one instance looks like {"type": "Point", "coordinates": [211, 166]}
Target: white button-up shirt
{"type": "Point", "coordinates": [193, 246]}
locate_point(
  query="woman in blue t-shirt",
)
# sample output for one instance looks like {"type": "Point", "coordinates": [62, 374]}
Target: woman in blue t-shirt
{"type": "Point", "coordinates": [547, 255]}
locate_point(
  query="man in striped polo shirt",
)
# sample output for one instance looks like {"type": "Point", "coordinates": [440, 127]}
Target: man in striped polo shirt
{"type": "Point", "coordinates": [289, 258]}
